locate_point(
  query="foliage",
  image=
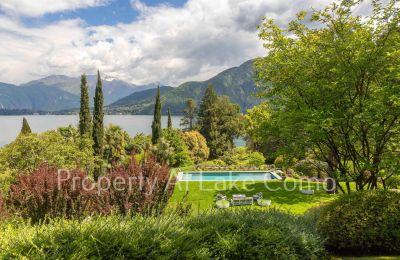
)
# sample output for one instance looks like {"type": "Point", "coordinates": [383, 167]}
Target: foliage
{"type": "Point", "coordinates": [142, 187]}
{"type": "Point", "coordinates": [139, 143]}
{"type": "Point", "coordinates": [169, 125]}
{"type": "Point", "coordinates": [3, 211]}
{"type": "Point", "coordinates": [334, 87]}
{"type": "Point", "coordinates": [197, 146]}
{"type": "Point", "coordinates": [116, 144]}
{"type": "Point", "coordinates": [260, 132]}
{"type": "Point", "coordinates": [311, 168]}
{"type": "Point", "coordinates": [219, 122]}
{"type": "Point", "coordinates": [69, 133]}
{"type": "Point", "coordinates": [179, 155]}
{"type": "Point", "coordinates": [156, 124]}
{"type": "Point", "coordinates": [27, 152]}
{"type": "Point", "coordinates": [243, 156]}
{"type": "Point", "coordinates": [363, 223]}
{"type": "Point", "coordinates": [242, 234]}
{"type": "Point", "coordinates": [85, 121]}
{"type": "Point", "coordinates": [98, 125]}
{"type": "Point", "coordinates": [26, 129]}
{"type": "Point", "coordinates": [189, 115]}
{"type": "Point", "coordinates": [163, 151]}
{"type": "Point", "coordinates": [50, 193]}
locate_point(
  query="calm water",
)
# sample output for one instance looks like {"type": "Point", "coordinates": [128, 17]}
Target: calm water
{"type": "Point", "coordinates": [10, 126]}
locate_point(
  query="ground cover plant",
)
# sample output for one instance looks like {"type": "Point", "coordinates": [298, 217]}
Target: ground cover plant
{"type": "Point", "coordinates": [250, 234]}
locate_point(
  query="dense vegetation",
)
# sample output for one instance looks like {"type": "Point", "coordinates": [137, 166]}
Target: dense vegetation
{"type": "Point", "coordinates": [243, 234]}
{"type": "Point", "coordinates": [363, 223]}
{"type": "Point", "coordinates": [333, 91]}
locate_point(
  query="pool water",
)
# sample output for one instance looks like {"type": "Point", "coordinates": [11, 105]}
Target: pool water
{"type": "Point", "coordinates": [228, 176]}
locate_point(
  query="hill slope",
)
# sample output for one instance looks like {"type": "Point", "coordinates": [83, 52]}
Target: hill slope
{"type": "Point", "coordinates": [237, 83]}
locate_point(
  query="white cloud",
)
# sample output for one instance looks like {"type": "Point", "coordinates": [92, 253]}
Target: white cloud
{"type": "Point", "coordinates": [165, 44]}
{"type": "Point", "coordinates": [41, 7]}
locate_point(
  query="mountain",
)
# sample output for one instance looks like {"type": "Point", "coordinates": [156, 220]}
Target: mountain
{"type": "Point", "coordinates": [113, 89]}
{"type": "Point", "coordinates": [35, 98]}
{"type": "Point", "coordinates": [236, 83]}
{"type": "Point", "coordinates": [59, 92]}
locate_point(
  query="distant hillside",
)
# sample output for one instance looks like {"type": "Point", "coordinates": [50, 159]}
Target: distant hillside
{"type": "Point", "coordinates": [237, 83]}
{"type": "Point", "coordinates": [37, 98]}
{"type": "Point", "coordinates": [60, 93]}
{"type": "Point", "coordinates": [113, 89]}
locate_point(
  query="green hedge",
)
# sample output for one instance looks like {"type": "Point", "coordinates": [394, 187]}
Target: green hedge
{"type": "Point", "coordinates": [363, 223]}
{"type": "Point", "coordinates": [242, 234]}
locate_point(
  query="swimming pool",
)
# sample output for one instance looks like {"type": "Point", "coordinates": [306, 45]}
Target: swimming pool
{"type": "Point", "coordinates": [228, 176]}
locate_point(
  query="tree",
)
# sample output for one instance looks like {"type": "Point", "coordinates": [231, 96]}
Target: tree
{"type": "Point", "coordinates": [220, 122]}
{"type": "Point", "coordinates": [189, 115]}
{"type": "Point", "coordinates": [169, 119]}
{"type": "Point", "coordinates": [98, 125]}
{"type": "Point", "coordinates": [84, 112]}
{"type": "Point", "coordinates": [26, 129]}
{"type": "Point", "coordinates": [156, 125]}
{"type": "Point", "coordinates": [116, 142]}
{"type": "Point", "coordinates": [197, 146]}
{"type": "Point", "coordinates": [335, 90]}
{"type": "Point", "coordinates": [180, 155]}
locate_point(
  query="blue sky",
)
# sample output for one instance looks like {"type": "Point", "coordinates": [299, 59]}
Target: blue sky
{"type": "Point", "coordinates": [139, 41]}
{"type": "Point", "coordinates": [114, 12]}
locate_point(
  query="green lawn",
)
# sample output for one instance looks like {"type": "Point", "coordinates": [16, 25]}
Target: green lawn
{"type": "Point", "coordinates": [202, 194]}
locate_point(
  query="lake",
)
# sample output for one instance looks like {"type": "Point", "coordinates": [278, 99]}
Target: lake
{"type": "Point", "coordinates": [10, 126]}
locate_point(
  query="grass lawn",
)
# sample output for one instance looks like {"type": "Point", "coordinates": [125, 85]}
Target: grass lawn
{"type": "Point", "coordinates": [202, 194]}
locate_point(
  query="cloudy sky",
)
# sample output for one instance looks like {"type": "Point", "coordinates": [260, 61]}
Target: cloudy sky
{"type": "Point", "coordinates": [134, 40]}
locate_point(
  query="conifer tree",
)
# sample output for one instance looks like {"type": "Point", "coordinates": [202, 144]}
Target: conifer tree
{"type": "Point", "coordinates": [156, 125]}
{"type": "Point", "coordinates": [26, 129]}
{"type": "Point", "coordinates": [169, 119]}
{"type": "Point", "coordinates": [98, 125]}
{"type": "Point", "coordinates": [84, 113]}
{"type": "Point", "coordinates": [189, 115]}
{"type": "Point", "coordinates": [206, 114]}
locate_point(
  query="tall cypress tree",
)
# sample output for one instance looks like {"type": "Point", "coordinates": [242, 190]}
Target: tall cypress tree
{"type": "Point", "coordinates": [169, 119]}
{"type": "Point", "coordinates": [26, 129]}
{"type": "Point", "coordinates": [84, 112]}
{"type": "Point", "coordinates": [189, 115]}
{"type": "Point", "coordinates": [156, 125]}
{"type": "Point", "coordinates": [98, 125]}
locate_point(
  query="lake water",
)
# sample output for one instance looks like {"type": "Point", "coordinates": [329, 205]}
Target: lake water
{"type": "Point", "coordinates": [10, 126]}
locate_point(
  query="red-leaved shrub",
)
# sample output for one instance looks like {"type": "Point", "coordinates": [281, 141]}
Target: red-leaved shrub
{"type": "Point", "coordinates": [50, 193]}
{"type": "Point", "coordinates": [139, 187]}
{"type": "Point", "coordinates": [3, 211]}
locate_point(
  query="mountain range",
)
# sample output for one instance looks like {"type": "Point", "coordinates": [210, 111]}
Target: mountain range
{"type": "Point", "coordinates": [236, 83]}
{"type": "Point", "coordinates": [61, 93]}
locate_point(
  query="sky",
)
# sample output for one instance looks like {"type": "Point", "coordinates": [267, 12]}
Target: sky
{"type": "Point", "coordinates": [153, 41]}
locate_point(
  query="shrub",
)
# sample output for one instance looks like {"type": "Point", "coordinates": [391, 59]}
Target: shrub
{"type": "Point", "coordinates": [197, 146]}
{"type": "Point", "coordinates": [139, 188]}
{"type": "Point", "coordinates": [243, 156]}
{"type": "Point", "coordinates": [29, 151]}
{"type": "Point", "coordinates": [45, 193]}
{"type": "Point", "coordinates": [3, 211]}
{"type": "Point", "coordinates": [241, 234]}
{"type": "Point", "coordinates": [363, 223]}
{"type": "Point", "coordinates": [180, 155]}
{"type": "Point", "coordinates": [311, 168]}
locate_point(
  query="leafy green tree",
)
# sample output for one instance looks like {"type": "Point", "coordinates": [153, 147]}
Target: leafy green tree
{"type": "Point", "coordinates": [163, 151]}
{"type": "Point", "coordinates": [220, 122]}
{"type": "Point", "coordinates": [169, 119]}
{"type": "Point", "coordinates": [29, 151]}
{"type": "Point", "coordinates": [197, 146]}
{"type": "Point", "coordinates": [189, 116]}
{"type": "Point", "coordinates": [156, 125]}
{"type": "Point", "coordinates": [84, 112]}
{"type": "Point", "coordinates": [116, 142]}
{"type": "Point", "coordinates": [140, 142]}
{"type": "Point", "coordinates": [26, 129]}
{"type": "Point", "coordinates": [98, 125]}
{"type": "Point", "coordinates": [335, 89]}
{"type": "Point", "coordinates": [180, 155]}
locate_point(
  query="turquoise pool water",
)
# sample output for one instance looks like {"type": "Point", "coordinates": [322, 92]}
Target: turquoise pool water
{"type": "Point", "coordinates": [227, 176]}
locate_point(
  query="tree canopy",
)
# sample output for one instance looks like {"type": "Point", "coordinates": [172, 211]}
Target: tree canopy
{"type": "Point", "coordinates": [333, 83]}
